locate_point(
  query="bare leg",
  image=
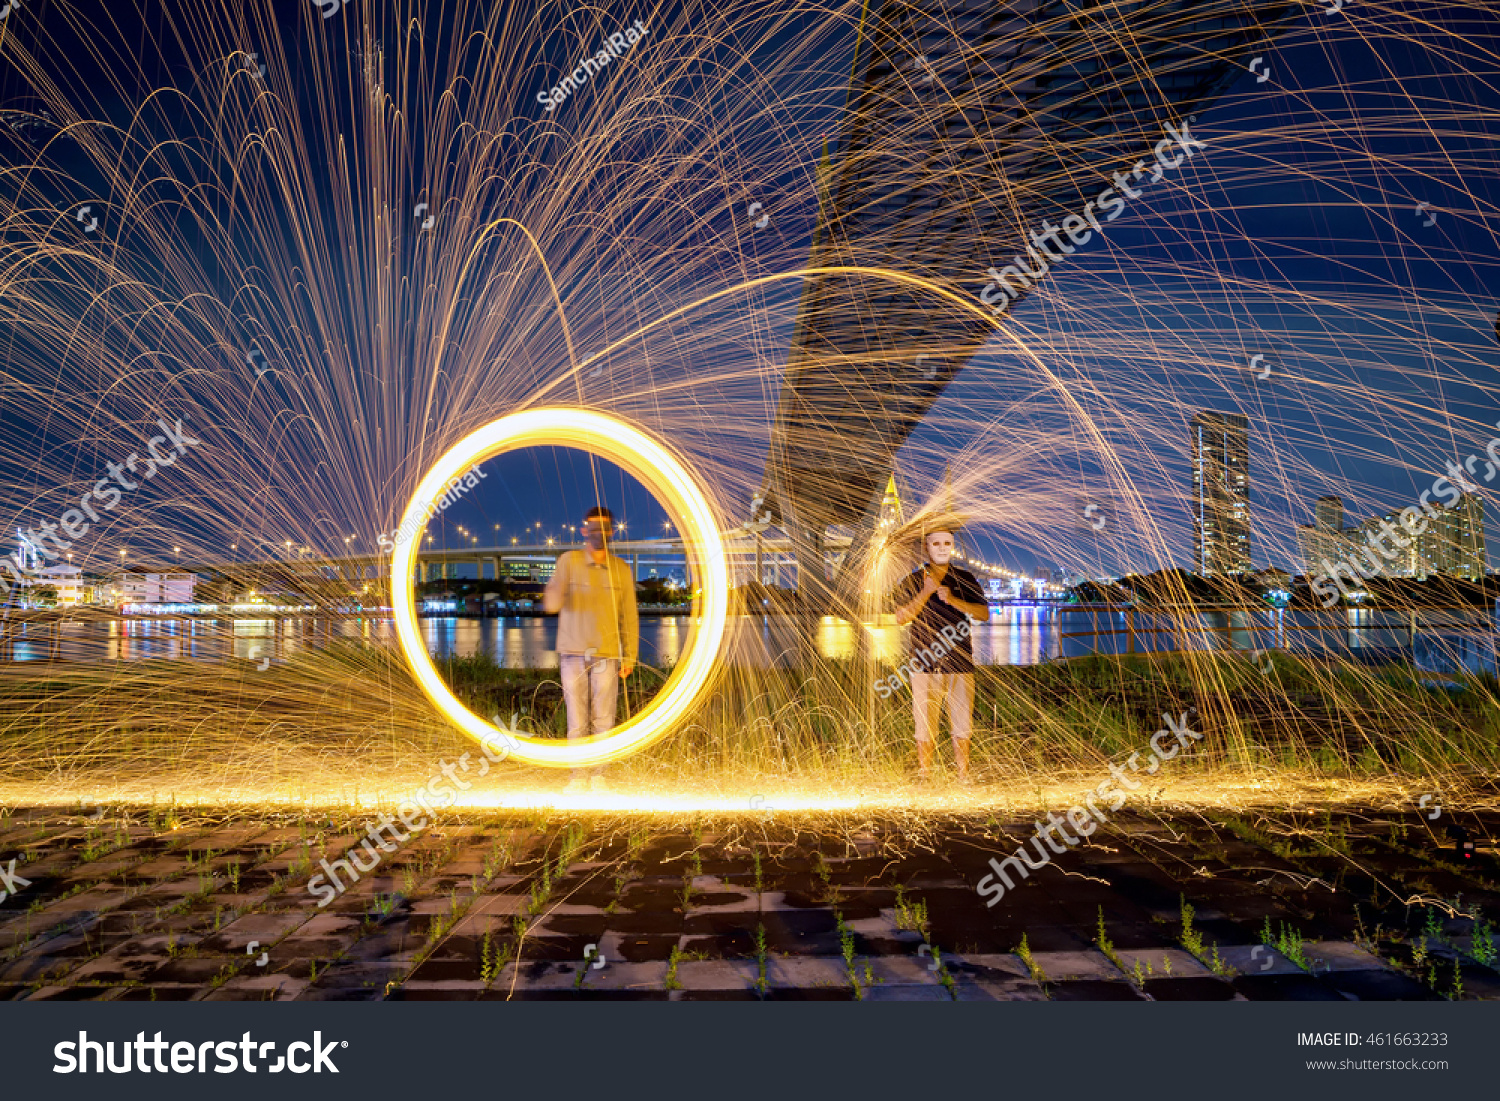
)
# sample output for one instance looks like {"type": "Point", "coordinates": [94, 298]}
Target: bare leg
{"type": "Point", "coordinates": [575, 682]}
{"type": "Point", "coordinates": [926, 698]}
{"type": "Point", "coordinates": [960, 719]}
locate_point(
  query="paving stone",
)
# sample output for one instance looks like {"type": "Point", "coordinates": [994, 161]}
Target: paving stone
{"type": "Point", "coordinates": [1382, 985]}
{"type": "Point", "coordinates": [1182, 964]}
{"type": "Point", "coordinates": [718, 975]}
{"type": "Point", "coordinates": [805, 972]}
{"type": "Point", "coordinates": [264, 928]}
{"type": "Point", "coordinates": [124, 918]}
{"type": "Point", "coordinates": [1299, 987]}
{"type": "Point", "coordinates": [986, 967]}
{"type": "Point", "coordinates": [712, 894]}
{"type": "Point", "coordinates": [280, 986]}
{"type": "Point", "coordinates": [1258, 959]}
{"type": "Point", "coordinates": [911, 969]}
{"type": "Point", "coordinates": [906, 992]}
{"type": "Point", "coordinates": [1341, 956]}
{"type": "Point", "coordinates": [998, 992]}
{"type": "Point", "coordinates": [635, 948]}
{"type": "Point", "coordinates": [1203, 988]}
{"type": "Point", "coordinates": [1092, 990]}
{"type": "Point", "coordinates": [539, 976]}
{"type": "Point", "coordinates": [628, 976]}
{"type": "Point", "coordinates": [1068, 966]}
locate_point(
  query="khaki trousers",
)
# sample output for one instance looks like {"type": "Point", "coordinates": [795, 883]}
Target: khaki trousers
{"type": "Point", "coordinates": [928, 693]}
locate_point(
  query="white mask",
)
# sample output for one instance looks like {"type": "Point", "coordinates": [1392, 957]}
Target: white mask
{"type": "Point", "coordinates": [939, 546]}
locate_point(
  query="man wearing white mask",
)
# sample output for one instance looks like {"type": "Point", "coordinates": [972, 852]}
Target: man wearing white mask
{"type": "Point", "coordinates": [939, 599]}
{"type": "Point", "coordinates": [593, 594]}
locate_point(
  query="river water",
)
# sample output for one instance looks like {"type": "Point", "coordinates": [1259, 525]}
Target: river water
{"type": "Point", "coordinates": [1019, 635]}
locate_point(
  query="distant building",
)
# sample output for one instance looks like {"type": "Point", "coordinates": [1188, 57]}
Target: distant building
{"type": "Point", "coordinates": [1328, 513]}
{"type": "Point", "coordinates": [71, 588]}
{"type": "Point", "coordinates": [1452, 545]}
{"type": "Point", "coordinates": [153, 588]}
{"type": "Point", "coordinates": [891, 516]}
{"type": "Point", "coordinates": [1221, 493]}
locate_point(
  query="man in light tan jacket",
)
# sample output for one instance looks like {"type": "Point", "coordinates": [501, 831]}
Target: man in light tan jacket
{"type": "Point", "coordinates": [598, 633]}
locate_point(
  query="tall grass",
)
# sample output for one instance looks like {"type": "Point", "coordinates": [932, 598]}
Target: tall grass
{"type": "Point", "coordinates": [347, 723]}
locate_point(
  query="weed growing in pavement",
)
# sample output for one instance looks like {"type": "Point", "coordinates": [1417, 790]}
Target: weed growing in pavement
{"type": "Point", "coordinates": [910, 915]}
{"type": "Point", "coordinates": [1192, 940]}
{"type": "Point", "coordinates": [497, 860]}
{"type": "Point", "coordinates": [1456, 990]}
{"type": "Point", "coordinates": [760, 959]}
{"type": "Point", "coordinates": [846, 943]}
{"type": "Point", "coordinates": [1288, 942]}
{"type": "Point", "coordinates": [1135, 974]}
{"type": "Point", "coordinates": [943, 974]}
{"type": "Point", "coordinates": [1023, 950]}
{"type": "Point", "coordinates": [1189, 938]}
{"type": "Point", "coordinates": [829, 892]}
{"type": "Point", "coordinates": [1482, 943]}
{"type": "Point", "coordinates": [1432, 928]}
{"type": "Point", "coordinates": [672, 981]}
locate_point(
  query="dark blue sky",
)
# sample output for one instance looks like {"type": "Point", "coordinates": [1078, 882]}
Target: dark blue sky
{"type": "Point", "coordinates": [1305, 190]}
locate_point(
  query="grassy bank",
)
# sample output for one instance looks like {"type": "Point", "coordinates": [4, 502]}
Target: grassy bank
{"type": "Point", "coordinates": [349, 724]}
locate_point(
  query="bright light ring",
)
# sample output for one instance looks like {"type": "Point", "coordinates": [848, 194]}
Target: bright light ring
{"type": "Point", "coordinates": [669, 481]}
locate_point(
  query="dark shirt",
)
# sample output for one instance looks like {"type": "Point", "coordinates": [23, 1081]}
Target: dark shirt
{"type": "Point", "coordinates": [926, 630]}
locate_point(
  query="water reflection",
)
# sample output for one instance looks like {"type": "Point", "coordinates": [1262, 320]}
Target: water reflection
{"type": "Point", "coordinates": [1015, 635]}
{"type": "Point", "coordinates": [529, 642]}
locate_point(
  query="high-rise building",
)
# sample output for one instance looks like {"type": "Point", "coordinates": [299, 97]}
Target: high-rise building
{"type": "Point", "coordinates": [1328, 513]}
{"type": "Point", "coordinates": [1453, 544]}
{"type": "Point", "coordinates": [1221, 492]}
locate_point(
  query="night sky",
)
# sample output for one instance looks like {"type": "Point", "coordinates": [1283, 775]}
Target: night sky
{"type": "Point", "coordinates": [1332, 243]}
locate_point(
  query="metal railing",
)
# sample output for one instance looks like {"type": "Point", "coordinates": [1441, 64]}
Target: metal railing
{"type": "Point", "coordinates": [1182, 629]}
